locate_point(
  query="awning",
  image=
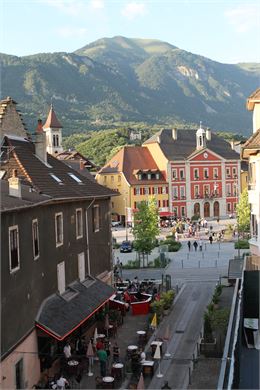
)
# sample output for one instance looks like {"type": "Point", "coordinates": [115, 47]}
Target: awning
{"type": "Point", "coordinates": [60, 315]}
{"type": "Point", "coordinates": [166, 214]}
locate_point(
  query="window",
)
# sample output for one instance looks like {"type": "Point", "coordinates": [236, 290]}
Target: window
{"type": "Point", "coordinates": [215, 173]}
{"type": "Point", "coordinates": [35, 237]}
{"type": "Point", "coordinates": [228, 207]}
{"type": "Point", "coordinates": [206, 173]}
{"type": "Point", "coordinates": [182, 191]}
{"type": "Point", "coordinates": [14, 256]}
{"type": "Point", "coordinates": [159, 203]}
{"type": "Point", "coordinates": [19, 375]}
{"type": "Point", "coordinates": [96, 218]}
{"type": "Point", "coordinates": [164, 190]}
{"type": "Point", "coordinates": [81, 266]}
{"type": "Point", "coordinates": [146, 190]}
{"type": "Point", "coordinates": [235, 192]}
{"type": "Point", "coordinates": [206, 190]}
{"type": "Point", "coordinates": [56, 178]}
{"type": "Point", "coordinates": [196, 191]}
{"type": "Point", "coordinates": [157, 176]}
{"type": "Point", "coordinates": [79, 223]}
{"type": "Point", "coordinates": [175, 192]}
{"type": "Point", "coordinates": [149, 176]}
{"type": "Point", "coordinates": [182, 211]}
{"type": "Point", "coordinates": [61, 277]}
{"type": "Point", "coordinates": [196, 174]}
{"type": "Point", "coordinates": [74, 177]}
{"type": "Point", "coordinates": [137, 191]}
{"type": "Point", "coordinates": [155, 190]}
{"type": "Point", "coordinates": [228, 189]}
{"type": "Point", "coordinates": [181, 174]}
{"type": "Point", "coordinates": [139, 176]}
{"type": "Point", "coordinates": [234, 171]}
{"type": "Point", "coordinates": [174, 173]}
{"type": "Point", "coordinates": [119, 179]}
{"type": "Point", "coordinates": [228, 172]}
{"type": "Point", "coordinates": [59, 229]}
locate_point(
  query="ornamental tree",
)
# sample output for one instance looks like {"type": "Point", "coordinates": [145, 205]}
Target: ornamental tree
{"type": "Point", "coordinates": [243, 213]}
{"type": "Point", "coordinates": [146, 227]}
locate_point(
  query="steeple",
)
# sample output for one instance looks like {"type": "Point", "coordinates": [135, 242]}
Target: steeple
{"type": "Point", "coordinates": [52, 128]}
{"type": "Point", "coordinates": [201, 137]}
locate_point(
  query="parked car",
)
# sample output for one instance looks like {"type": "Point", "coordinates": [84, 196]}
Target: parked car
{"type": "Point", "coordinates": [115, 223]}
{"type": "Point", "coordinates": [126, 246]}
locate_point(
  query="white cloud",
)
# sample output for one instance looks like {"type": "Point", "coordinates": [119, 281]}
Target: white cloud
{"type": "Point", "coordinates": [133, 9]}
{"type": "Point", "coordinates": [244, 17]}
{"type": "Point", "coordinates": [97, 4]}
{"type": "Point", "coordinates": [69, 32]}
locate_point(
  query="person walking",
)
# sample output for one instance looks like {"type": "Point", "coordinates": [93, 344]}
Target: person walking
{"type": "Point", "coordinates": [189, 245]}
{"type": "Point", "coordinates": [116, 352]}
{"type": "Point", "coordinates": [210, 239]}
{"type": "Point", "coordinates": [102, 356]}
{"type": "Point", "coordinates": [200, 245]}
{"type": "Point", "coordinates": [195, 244]}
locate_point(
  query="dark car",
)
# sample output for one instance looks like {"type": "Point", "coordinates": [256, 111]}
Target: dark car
{"type": "Point", "coordinates": [126, 246]}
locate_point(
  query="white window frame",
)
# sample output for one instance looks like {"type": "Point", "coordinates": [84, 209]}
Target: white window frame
{"type": "Point", "coordinates": [79, 223]}
{"type": "Point", "coordinates": [196, 190]}
{"type": "Point", "coordinates": [146, 190]}
{"type": "Point", "coordinates": [137, 191]}
{"type": "Point", "coordinates": [155, 190]}
{"type": "Point", "coordinates": [228, 189]}
{"type": "Point", "coordinates": [182, 191]}
{"type": "Point", "coordinates": [196, 173]}
{"type": "Point", "coordinates": [234, 171]}
{"type": "Point", "coordinates": [182, 174]}
{"type": "Point", "coordinates": [228, 172]}
{"type": "Point", "coordinates": [35, 221]}
{"type": "Point", "coordinates": [175, 192]}
{"type": "Point", "coordinates": [174, 174]}
{"type": "Point", "coordinates": [157, 176]}
{"type": "Point", "coordinates": [81, 266]}
{"type": "Point", "coordinates": [206, 173]}
{"type": "Point", "coordinates": [59, 243]}
{"type": "Point", "coordinates": [149, 176]}
{"type": "Point", "coordinates": [61, 278]}
{"type": "Point", "coordinates": [96, 218]}
{"type": "Point", "coordinates": [206, 187]}
{"type": "Point", "coordinates": [12, 228]}
{"type": "Point", "coordinates": [215, 173]}
{"type": "Point", "coordinates": [164, 190]}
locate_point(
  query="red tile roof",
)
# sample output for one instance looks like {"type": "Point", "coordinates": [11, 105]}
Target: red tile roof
{"type": "Point", "coordinates": [52, 121]}
{"type": "Point", "coordinates": [129, 160]}
{"type": "Point", "coordinates": [253, 143]}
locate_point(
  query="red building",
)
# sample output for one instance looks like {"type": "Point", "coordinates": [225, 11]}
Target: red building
{"type": "Point", "coordinates": [203, 171]}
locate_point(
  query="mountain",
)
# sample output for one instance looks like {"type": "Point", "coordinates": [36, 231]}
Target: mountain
{"type": "Point", "coordinates": [122, 79]}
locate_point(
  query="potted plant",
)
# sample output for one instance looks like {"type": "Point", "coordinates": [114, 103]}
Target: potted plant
{"type": "Point", "coordinates": [167, 298]}
{"type": "Point", "coordinates": [157, 307]}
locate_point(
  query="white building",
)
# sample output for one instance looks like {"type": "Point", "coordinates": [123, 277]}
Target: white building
{"type": "Point", "coordinates": [251, 151]}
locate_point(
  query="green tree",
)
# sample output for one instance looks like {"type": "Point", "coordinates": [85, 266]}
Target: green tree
{"type": "Point", "coordinates": [146, 227]}
{"type": "Point", "coordinates": [243, 213]}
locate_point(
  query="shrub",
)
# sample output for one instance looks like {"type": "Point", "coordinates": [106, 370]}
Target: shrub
{"type": "Point", "coordinates": [195, 217]}
{"type": "Point", "coordinates": [242, 244]}
{"type": "Point", "coordinates": [131, 264]}
{"type": "Point", "coordinates": [173, 246]}
{"type": "Point", "coordinates": [167, 298]}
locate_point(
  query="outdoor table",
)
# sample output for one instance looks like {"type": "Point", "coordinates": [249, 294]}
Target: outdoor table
{"type": "Point", "coordinates": [131, 349]}
{"type": "Point", "coordinates": [148, 367]}
{"type": "Point", "coordinates": [108, 381]}
{"type": "Point", "coordinates": [142, 337]}
{"type": "Point", "coordinates": [73, 367]}
{"type": "Point", "coordinates": [101, 336]}
{"type": "Point", "coordinates": [118, 370]}
{"type": "Point", "coordinates": [154, 346]}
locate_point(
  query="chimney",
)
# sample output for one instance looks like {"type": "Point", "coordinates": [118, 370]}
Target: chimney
{"type": "Point", "coordinates": [174, 134]}
{"type": "Point", "coordinates": [81, 164]}
{"type": "Point", "coordinates": [15, 188]}
{"type": "Point", "coordinates": [40, 142]}
{"type": "Point", "coordinates": [208, 134]}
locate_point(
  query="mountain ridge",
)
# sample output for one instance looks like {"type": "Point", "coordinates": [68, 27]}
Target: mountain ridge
{"type": "Point", "coordinates": [123, 79]}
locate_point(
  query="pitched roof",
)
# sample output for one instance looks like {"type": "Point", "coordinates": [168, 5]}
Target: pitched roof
{"type": "Point", "coordinates": [52, 120]}
{"type": "Point", "coordinates": [75, 155]}
{"type": "Point", "coordinates": [28, 199]}
{"type": "Point", "coordinates": [4, 103]}
{"type": "Point", "coordinates": [129, 160]}
{"type": "Point", "coordinates": [60, 316]}
{"type": "Point", "coordinates": [185, 144]}
{"type": "Point", "coordinates": [54, 178]}
{"type": "Point", "coordinates": [253, 98]}
{"type": "Point", "coordinates": [253, 144]}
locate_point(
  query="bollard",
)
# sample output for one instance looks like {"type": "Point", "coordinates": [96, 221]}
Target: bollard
{"type": "Point", "coordinates": [188, 255]}
{"type": "Point", "coordinates": [203, 255]}
{"type": "Point", "coordinates": [189, 376]}
{"type": "Point", "coordinates": [205, 247]}
{"type": "Point", "coordinates": [218, 254]}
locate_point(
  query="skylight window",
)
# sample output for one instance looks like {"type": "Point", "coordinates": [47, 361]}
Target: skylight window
{"type": "Point", "coordinates": [74, 177]}
{"type": "Point", "coordinates": [56, 178]}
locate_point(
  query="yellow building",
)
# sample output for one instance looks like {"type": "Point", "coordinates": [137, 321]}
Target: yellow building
{"type": "Point", "coordinates": [136, 176]}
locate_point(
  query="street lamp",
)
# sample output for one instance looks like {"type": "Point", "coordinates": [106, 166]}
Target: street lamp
{"type": "Point", "coordinates": [126, 231]}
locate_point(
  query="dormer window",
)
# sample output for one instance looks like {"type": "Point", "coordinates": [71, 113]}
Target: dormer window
{"type": "Point", "coordinates": [139, 176]}
{"type": "Point", "coordinates": [56, 178]}
{"type": "Point", "coordinates": [157, 176]}
{"type": "Point", "coordinates": [149, 176]}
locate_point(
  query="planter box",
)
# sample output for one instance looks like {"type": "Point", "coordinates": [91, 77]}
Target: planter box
{"type": "Point", "coordinates": [208, 349]}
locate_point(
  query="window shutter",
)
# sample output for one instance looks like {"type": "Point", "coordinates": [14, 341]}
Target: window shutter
{"type": "Point", "coordinates": [134, 191]}
{"type": "Point", "coordinates": [153, 190]}
{"type": "Point", "coordinates": [149, 190]}
{"type": "Point", "coordinates": [167, 190]}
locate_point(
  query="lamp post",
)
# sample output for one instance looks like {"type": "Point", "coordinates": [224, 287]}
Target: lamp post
{"type": "Point", "coordinates": [126, 231]}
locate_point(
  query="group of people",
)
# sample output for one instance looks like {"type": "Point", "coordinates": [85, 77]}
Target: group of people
{"type": "Point", "coordinates": [103, 353]}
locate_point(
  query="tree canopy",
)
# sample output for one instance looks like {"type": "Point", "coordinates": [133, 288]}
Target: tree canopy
{"type": "Point", "coordinates": [243, 212]}
{"type": "Point", "coordinates": [146, 226]}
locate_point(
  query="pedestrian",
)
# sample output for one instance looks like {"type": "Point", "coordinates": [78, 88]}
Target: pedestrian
{"type": "Point", "coordinates": [189, 245]}
{"type": "Point", "coordinates": [195, 244]}
{"type": "Point", "coordinates": [116, 352]}
{"type": "Point", "coordinates": [117, 261]}
{"type": "Point", "coordinates": [210, 239]}
{"type": "Point", "coordinates": [200, 245]}
{"type": "Point", "coordinates": [67, 350]}
{"type": "Point", "coordinates": [102, 356]}
{"type": "Point", "coordinates": [62, 382]}
{"type": "Point", "coordinates": [107, 347]}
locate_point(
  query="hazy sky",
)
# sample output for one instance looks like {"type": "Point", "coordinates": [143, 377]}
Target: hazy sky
{"type": "Point", "coordinates": [223, 30]}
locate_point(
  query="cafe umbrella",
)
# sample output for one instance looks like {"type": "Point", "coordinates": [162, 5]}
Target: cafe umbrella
{"type": "Point", "coordinates": [90, 355]}
{"type": "Point", "coordinates": [166, 337]}
{"type": "Point", "coordinates": [157, 356]}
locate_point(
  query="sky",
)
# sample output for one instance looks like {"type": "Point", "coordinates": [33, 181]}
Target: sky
{"type": "Point", "coordinates": [227, 31]}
